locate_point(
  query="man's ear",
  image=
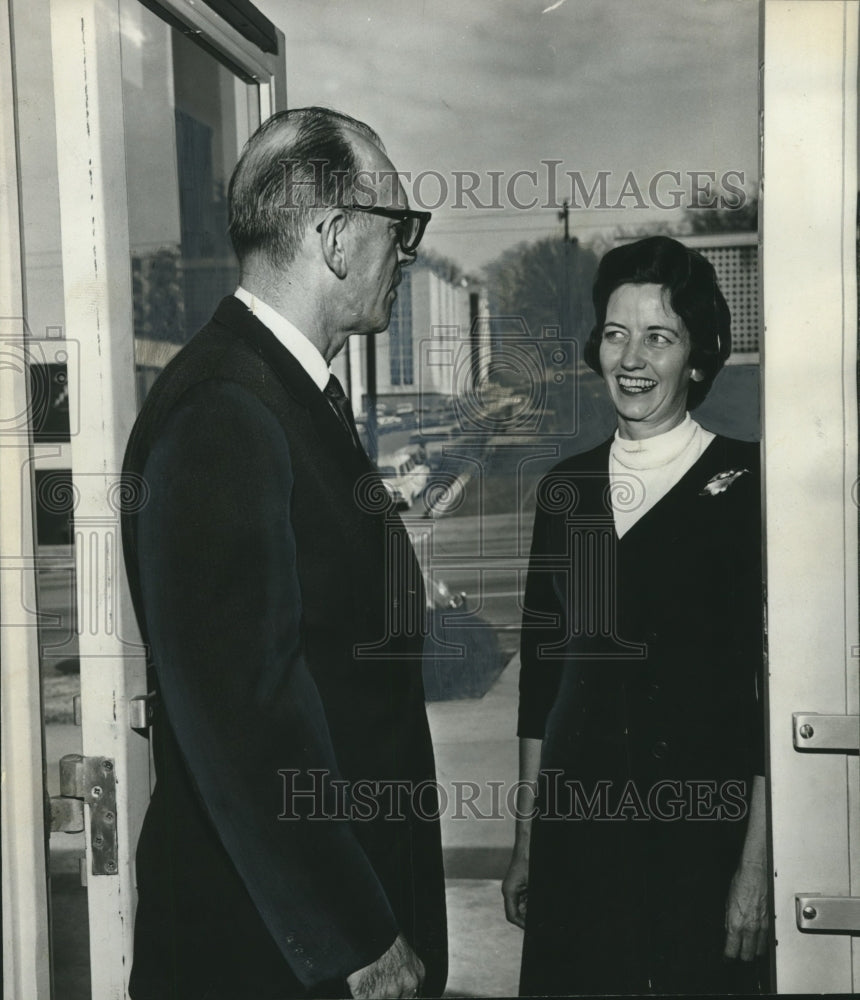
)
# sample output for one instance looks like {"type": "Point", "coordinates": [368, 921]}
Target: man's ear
{"type": "Point", "coordinates": [331, 231]}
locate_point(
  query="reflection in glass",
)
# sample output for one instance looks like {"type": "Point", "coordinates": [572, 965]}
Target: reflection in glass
{"type": "Point", "coordinates": [186, 119]}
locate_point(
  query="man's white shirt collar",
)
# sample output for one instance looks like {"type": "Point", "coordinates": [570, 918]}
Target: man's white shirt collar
{"type": "Point", "coordinates": [290, 336]}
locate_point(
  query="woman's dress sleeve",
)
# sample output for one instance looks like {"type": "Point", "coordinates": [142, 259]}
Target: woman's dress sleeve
{"type": "Point", "coordinates": [542, 626]}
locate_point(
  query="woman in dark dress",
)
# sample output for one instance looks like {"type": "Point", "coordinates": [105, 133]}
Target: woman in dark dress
{"type": "Point", "coordinates": [644, 867]}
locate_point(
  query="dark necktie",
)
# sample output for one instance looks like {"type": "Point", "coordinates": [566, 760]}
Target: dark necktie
{"type": "Point", "coordinates": [338, 399]}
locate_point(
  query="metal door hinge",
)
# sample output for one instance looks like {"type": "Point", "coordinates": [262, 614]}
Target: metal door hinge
{"type": "Point", "coordinates": [90, 780]}
{"type": "Point", "coordinates": [830, 914]}
{"type": "Point", "coordinates": [67, 815]}
{"type": "Point", "coordinates": [826, 732]}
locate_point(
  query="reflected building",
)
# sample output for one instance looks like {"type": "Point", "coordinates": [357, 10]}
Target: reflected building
{"type": "Point", "coordinates": [436, 348]}
{"type": "Point", "coordinates": [735, 259]}
{"type": "Point", "coordinates": [182, 262]}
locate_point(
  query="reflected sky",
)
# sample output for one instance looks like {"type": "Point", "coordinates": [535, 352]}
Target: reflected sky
{"type": "Point", "coordinates": [636, 86]}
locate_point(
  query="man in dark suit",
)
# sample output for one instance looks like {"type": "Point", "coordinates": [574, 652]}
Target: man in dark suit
{"type": "Point", "coordinates": [291, 847]}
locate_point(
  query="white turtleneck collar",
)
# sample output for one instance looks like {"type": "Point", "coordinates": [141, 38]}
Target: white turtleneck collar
{"type": "Point", "coordinates": [642, 472]}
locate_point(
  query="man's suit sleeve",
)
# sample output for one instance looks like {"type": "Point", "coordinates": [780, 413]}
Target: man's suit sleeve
{"type": "Point", "coordinates": [222, 608]}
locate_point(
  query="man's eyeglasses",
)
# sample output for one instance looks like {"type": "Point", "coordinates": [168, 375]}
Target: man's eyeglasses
{"type": "Point", "coordinates": [410, 224]}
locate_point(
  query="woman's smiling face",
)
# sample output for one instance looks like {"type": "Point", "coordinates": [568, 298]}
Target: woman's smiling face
{"type": "Point", "coordinates": [644, 357]}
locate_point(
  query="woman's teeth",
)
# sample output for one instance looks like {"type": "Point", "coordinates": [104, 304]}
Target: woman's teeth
{"type": "Point", "coordinates": [636, 384]}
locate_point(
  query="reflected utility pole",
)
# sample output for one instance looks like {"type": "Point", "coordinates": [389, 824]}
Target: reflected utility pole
{"type": "Point", "coordinates": [566, 311]}
{"type": "Point", "coordinates": [564, 215]}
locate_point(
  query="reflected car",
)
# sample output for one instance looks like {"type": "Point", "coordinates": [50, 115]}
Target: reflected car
{"type": "Point", "coordinates": [404, 475]}
{"type": "Point", "coordinates": [389, 421]}
{"type": "Point", "coordinates": [442, 598]}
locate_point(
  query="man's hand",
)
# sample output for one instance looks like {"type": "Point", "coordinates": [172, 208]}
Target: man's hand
{"type": "Point", "coordinates": [747, 917]}
{"type": "Point", "coordinates": [397, 973]}
{"type": "Point", "coordinates": [515, 889]}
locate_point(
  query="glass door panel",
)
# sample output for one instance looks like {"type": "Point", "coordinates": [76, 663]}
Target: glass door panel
{"type": "Point", "coordinates": [186, 117]}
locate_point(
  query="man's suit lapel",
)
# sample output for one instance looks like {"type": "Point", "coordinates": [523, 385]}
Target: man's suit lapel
{"type": "Point", "coordinates": [234, 315]}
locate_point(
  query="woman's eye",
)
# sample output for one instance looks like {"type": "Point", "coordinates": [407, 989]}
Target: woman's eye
{"type": "Point", "coordinates": [658, 339]}
{"type": "Point", "coordinates": [613, 336]}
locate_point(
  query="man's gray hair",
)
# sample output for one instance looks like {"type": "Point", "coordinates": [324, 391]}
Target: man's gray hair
{"type": "Point", "coordinates": [295, 163]}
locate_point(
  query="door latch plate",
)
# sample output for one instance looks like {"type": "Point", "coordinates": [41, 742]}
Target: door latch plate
{"type": "Point", "coordinates": [813, 731]}
{"type": "Point", "coordinates": [829, 914]}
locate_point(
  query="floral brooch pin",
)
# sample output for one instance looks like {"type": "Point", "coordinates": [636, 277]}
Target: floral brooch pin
{"type": "Point", "coordinates": [721, 482]}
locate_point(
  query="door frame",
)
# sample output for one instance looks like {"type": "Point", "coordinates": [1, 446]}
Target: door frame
{"type": "Point", "coordinates": [809, 361]}
{"type": "Point", "coordinates": [26, 964]}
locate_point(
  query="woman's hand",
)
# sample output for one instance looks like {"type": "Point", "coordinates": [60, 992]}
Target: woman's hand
{"type": "Point", "coordinates": [515, 889]}
{"type": "Point", "coordinates": [747, 917]}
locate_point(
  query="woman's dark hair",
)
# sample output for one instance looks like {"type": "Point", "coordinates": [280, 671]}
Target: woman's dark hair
{"type": "Point", "coordinates": [691, 282]}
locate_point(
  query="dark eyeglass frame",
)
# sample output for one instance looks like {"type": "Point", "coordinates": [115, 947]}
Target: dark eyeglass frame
{"type": "Point", "coordinates": [402, 215]}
